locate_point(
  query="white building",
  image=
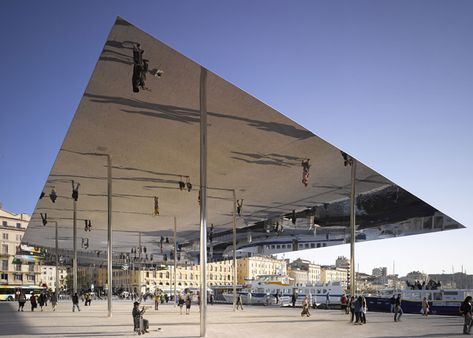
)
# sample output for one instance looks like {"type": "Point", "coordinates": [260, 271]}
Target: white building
{"type": "Point", "coordinates": [14, 271]}
{"type": "Point", "coordinates": [48, 276]}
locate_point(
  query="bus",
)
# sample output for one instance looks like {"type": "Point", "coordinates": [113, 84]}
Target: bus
{"type": "Point", "coordinates": [7, 292]}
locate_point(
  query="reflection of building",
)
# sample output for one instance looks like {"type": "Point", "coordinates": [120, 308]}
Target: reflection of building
{"type": "Point", "coordinates": [304, 272]}
{"type": "Point", "coordinates": [48, 276]}
{"type": "Point", "coordinates": [15, 271]}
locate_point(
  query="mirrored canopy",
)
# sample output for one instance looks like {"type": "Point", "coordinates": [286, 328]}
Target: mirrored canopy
{"type": "Point", "coordinates": [150, 129]}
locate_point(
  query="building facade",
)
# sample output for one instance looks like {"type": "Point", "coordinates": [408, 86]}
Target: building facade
{"type": "Point", "coordinates": [47, 277]}
{"type": "Point", "coordinates": [254, 266]}
{"type": "Point", "coordinates": [14, 271]}
{"type": "Point", "coordinates": [334, 274]}
{"type": "Point", "coordinates": [304, 272]}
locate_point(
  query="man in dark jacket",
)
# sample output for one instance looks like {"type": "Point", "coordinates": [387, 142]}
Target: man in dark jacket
{"type": "Point", "coordinates": [75, 302]}
{"type": "Point", "coordinates": [397, 309]}
{"type": "Point", "coordinates": [466, 310]}
{"type": "Point", "coordinates": [137, 317]}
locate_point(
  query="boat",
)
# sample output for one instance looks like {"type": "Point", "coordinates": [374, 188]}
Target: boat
{"type": "Point", "coordinates": [441, 301]}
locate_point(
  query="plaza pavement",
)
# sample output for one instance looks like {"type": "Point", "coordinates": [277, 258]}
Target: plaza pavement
{"type": "Point", "coordinates": [254, 321]}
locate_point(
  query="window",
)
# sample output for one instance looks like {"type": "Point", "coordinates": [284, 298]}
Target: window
{"type": "Point", "coordinates": [5, 236]}
{"type": "Point", "coordinates": [5, 248]}
{"type": "Point", "coordinates": [4, 276]}
{"type": "Point", "coordinates": [18, 225]}
{"type": "Point", "coordinates": [5, 265]}
{"type": "Point", "coordinates": [18, 277]}
{"type": "Point", "coordinates": [31, 278]}
{"type": "Point", "coordinates": [31, 268]}
{"type": "Point", "coordinates": [4, 223]}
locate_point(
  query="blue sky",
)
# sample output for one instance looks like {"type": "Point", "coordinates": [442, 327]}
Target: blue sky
{"type": "Point", "coordinates": [390, 82]}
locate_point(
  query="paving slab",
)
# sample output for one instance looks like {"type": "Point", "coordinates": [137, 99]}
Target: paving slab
{"type": "Point", "coordinates": [253, 321]}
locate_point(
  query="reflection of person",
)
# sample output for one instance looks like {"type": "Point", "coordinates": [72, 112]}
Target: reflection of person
{"type": "Point", "coordinates": [138, 317]}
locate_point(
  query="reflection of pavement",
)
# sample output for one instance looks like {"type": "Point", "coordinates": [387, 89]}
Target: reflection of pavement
{"type": "Point", "coordinates": [254, 321]}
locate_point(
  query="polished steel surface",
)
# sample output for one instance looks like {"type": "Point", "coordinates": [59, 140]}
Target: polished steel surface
{"type": "Point", "coordinates": [153, 137]}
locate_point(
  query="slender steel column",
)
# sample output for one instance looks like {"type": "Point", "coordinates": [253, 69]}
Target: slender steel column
{"type": "Point", "coordinates": [74, 244]}
{"type": "Point", "coordinates": [234, 252]}
{"type": "Point", "coordinates": [139, 266]}
{"type": "Point", "coordinates": [203, 202]}
{"type": "Point", "coordinates": [352, 229]}
{"type": "Point", "coordinates": [109, 228]}
{"type": "Point", "coordinates": [57, 263]}
{"type": "Point", "coordinates": [175, 261]}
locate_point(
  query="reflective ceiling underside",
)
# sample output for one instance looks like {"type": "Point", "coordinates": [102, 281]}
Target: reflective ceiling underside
{"type": "Point", "coordinates": [153, 139]}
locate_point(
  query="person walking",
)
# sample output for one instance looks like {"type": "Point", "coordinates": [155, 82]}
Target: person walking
{"type": "Point", "coordinates": [239, 302]}
{"type": "Point", "coordinates": [180, 303]}
{"type": "Point", "coordinates": [53, 301]}
{"type": "Point", "coordinates": [357, 308]}
{"type": "Point", "coordinates": [466, 310]}
{"type": "Point", "coordinates": [425, 307]}
{"type": "Point", "coordinates": [157, 298]}
{"type": "Point", "coordinates": [293, 300]}
{"type": "Point", "coordinates": [188, 304]}
{"type": "Point", "coordinates": [41, 300]}
{"type": "Point", "coordinates": [351, 305]}
{"type": "Point", "coordinates": [305, 307]}
{"type": "Point", "coordinates": [398, 309]}
{"type": "Point", "coordinates": [343, 302]}
{"type": "Point", "coordinates": [392, 302]}
{"type": "Point", "coordinates": [75, 302]}
{"type": "Point", "coordinates": [33, 302]}
{"type": "Point", "coordinates": [21, 300]}
{"type": "Point", "coordinates": [364, 309]}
